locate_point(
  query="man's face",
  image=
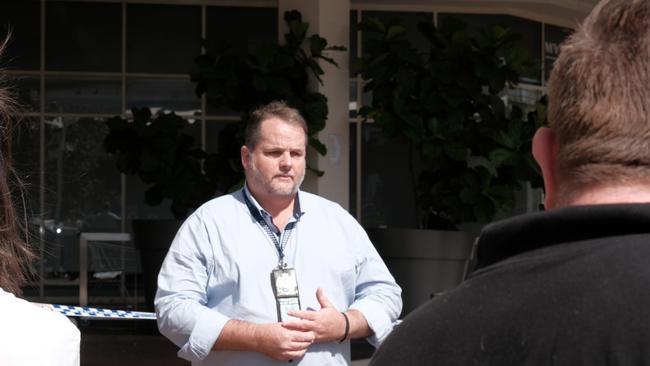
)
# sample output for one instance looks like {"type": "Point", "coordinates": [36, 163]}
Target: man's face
{"type": "Point", "coordinates": [276, 165]}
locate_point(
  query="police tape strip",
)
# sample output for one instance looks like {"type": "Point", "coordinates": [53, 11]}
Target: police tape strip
{"type": "Point", "coordinates": [97, 313]}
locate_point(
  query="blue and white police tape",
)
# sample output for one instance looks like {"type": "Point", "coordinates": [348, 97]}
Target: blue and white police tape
{"type": "Point", "coordinates": [97, 313]}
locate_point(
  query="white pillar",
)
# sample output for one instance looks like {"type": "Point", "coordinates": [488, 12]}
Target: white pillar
{"type": "Point", "coordinates": [331, 20]}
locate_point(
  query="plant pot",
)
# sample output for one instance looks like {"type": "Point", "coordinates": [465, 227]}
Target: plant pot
{"type": "Point", "coordinates": [423, 262]}
{"type": "Point", "coordinates": [153, 238]}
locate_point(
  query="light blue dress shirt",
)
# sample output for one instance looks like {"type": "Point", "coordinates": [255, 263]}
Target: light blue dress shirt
{"type": "Point", "coordinates": [219, 268]}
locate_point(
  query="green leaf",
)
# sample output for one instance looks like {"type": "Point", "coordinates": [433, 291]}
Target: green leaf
{"type": "Point", "coordinates": [456, 151]}
{"type": "Point", "coordinates": [501, 156]}
{"type": "Point", "coordinates": [395, 31]}
{"type": "Point", "coordinates": [317, 44]}
{"type": "Point", "coordinates": [317, 145]}
{"type": "Point", "coordinates": [505, 140]}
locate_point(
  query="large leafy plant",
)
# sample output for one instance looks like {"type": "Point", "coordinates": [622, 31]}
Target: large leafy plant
{"type": "Point", "coordinates": [469, 152]}
{"type": "Point", "coordinates": [272, 72]}
{"type": "Point", "coordinates": [158, 149]}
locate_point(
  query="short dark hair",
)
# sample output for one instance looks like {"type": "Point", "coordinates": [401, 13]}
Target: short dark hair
{"type": "Point", "coordinates": [276, 109]}
{"type": "Point", "coordinates": [599, 100]}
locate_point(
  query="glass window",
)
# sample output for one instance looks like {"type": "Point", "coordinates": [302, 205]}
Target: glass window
{"type": "Point", "coordinates": [406, 19]}
{"type": "Point", "coordinates": [212, 131]}
{"type": "Point", "coordinates": [353, 105]}
{"type": "Point", "coordinates": [354, 28]}
{"type": "Point", "coordinates": [77, 168]}
{"type": "Point", "coordinates": [136, 208]}
{"type": "Point", "coordinates": [387, 196]}
{"type": "Point", "coordinates": [77, 95]}
{"type": "Point", "coordinates": [167, 94]}
{"type": "Point", "coordinates": [23, 19]}
{"type": "Point", "coordinates": [26, 155]}
{"type": "Point", "coordinates": [553, 37]}
{"type": "Point", "coordinates": [83, 36]}
{"type": "Point", "coordinates": [530, 31]}
{"type": "Point", "coordinates": [243, 28]}
{"type": "Point", "coordinates": [353, 169]}
{"type": "Point", "coordinates": [28, 92]}
{"type": "Point", "coordinates": [162, 38]}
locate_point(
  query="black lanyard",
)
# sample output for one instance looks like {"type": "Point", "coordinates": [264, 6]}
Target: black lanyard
{"type": "Point", "coordinates": [279, 246]}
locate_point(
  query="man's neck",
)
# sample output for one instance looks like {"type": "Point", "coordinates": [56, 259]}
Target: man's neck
{"type": "Point", "coordinates": [279, 207]}
{"type": "Point", "coordinates": [610, 194]}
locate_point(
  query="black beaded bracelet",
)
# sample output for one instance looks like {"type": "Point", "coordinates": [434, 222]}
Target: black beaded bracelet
{"type": "Point", "coordinates": [347, 328]}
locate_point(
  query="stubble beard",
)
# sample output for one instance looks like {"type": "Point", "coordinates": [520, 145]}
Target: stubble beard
{"type": "Point", "coordinates": [269, 187]}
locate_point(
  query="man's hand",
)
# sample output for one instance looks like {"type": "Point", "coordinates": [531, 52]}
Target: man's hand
{"type": "Point", "coordinates": [282, 343]}
{"type": "Point", "coordinates": [275, 340]}
{"type": "Point", "coordinates": [327, 324]}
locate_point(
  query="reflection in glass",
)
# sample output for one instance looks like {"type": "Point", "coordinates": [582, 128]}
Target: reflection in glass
{"type": "Point", "coordinates": [165, 94]}
{"type": "Point", "coordinates": [162, 38]}
{"type": "Point", "coordinates": [529, 30]}
{"type": "Point", "coordinates": [83, 36]}
{"type": "Point", "coordinates": [82, 189]}
{"type": "Point", "coordinates": [212, 130]}
{"type": "Point", "coordinates": [353, 39]}
{"type": "Point", "coordinates": [136, 208]}
{"type": "Point", "coordinates": [409, 20]}
{"type": "Point", "coordinates": [29, 92]}
{"type": "Point", "coordinates": [243, 28]}
{"type": "Point", "coordinates": [353, 105]}
{"type": "Point", "coordinates": [353, 169]}
{"type": "Point", "coordinates": [524, 98]}
{"type": "Point", "coordinates": [26, 156]}
{"type": "Point", "coordinates": [553, 37]}
{"type": "Point", "coordinates": [387, 196]}
{"type": "Point", "coordinates": [23, 18]}
{"type": "Point", "coordinates": [82, 95]}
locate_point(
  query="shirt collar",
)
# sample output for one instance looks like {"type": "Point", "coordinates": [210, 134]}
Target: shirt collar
{"type": "Point", "coordinates": [523, 233]}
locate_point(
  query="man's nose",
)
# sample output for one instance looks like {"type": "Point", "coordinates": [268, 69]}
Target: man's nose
{"type": "Point", "coordinates": [285, 160]}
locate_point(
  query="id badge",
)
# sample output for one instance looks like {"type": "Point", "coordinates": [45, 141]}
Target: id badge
{"type": "Point", "coordinates": [285, 289]}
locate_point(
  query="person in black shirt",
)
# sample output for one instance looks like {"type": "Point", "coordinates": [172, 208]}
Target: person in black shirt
{"type": "Point", "coordinates": [568, 286]}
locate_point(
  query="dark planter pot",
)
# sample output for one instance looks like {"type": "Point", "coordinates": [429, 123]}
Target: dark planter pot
{"type": "Point", "coordinates": [423, 262]}
{"type": "Point", "coordinates": [152, 238]}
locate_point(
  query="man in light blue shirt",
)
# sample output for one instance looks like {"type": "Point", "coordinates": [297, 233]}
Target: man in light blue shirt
{"type": "Point", "coordinates": [271, 274]}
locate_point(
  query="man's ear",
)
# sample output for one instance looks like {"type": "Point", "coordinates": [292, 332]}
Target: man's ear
{"type": "Point", "coordinates": [545, 153]}
{"type": "Point", "coordinates": [245, 156]}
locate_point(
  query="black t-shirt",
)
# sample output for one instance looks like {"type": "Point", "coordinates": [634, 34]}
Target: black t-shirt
{"type": "Point", "coordinates": [563, 287]}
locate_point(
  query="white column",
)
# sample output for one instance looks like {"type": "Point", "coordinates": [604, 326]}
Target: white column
{"type": "Point", "coordinates": [331, 20]}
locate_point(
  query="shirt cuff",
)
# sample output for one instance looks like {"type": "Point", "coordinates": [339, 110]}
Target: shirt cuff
{"type": "Point", "coordinates": [206, 331]}
{"type": "Point", "coordinates": [377, 317]}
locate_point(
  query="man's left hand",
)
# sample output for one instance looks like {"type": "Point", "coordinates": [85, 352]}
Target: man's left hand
{"type": "Point", "coordinates": [327, 324]}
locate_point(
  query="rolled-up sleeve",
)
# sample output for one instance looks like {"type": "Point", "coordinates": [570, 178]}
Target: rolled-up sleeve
{"type": "Point", "coordinates": [181, 299]}
{"type": "Point", "coordinates": [377, 295]}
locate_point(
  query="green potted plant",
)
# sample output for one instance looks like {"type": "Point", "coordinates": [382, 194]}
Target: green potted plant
{"type": "Point", "coordinates": [171, 163]}
{"type": "Point", "coordinates": [469, 154]}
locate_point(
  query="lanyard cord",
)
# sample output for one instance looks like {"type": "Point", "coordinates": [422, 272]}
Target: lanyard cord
{"type": "Point", "coordinates": [279, 245]}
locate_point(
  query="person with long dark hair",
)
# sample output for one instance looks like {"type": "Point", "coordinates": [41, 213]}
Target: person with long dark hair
{"type": "Point", "coordinates": [30, 334]}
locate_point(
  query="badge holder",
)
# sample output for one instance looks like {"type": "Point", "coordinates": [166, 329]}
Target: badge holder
{"type": "Point", "coordinates": [285, 288]}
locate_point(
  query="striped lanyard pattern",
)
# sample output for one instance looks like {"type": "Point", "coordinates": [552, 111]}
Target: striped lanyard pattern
{"type": "Point", "coordinates": [279, 243]}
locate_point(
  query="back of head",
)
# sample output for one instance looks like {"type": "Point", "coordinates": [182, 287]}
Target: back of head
{"type": "Point", "coordinates": [599, 98]}
{"type": "Point", "coordinates": [15, 255]}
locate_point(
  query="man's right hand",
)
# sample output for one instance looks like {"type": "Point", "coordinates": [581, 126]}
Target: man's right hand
{"type": "Point", "coordinates": [281, 343]}
{"type": "Point", "coordinates": [273, 339]}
